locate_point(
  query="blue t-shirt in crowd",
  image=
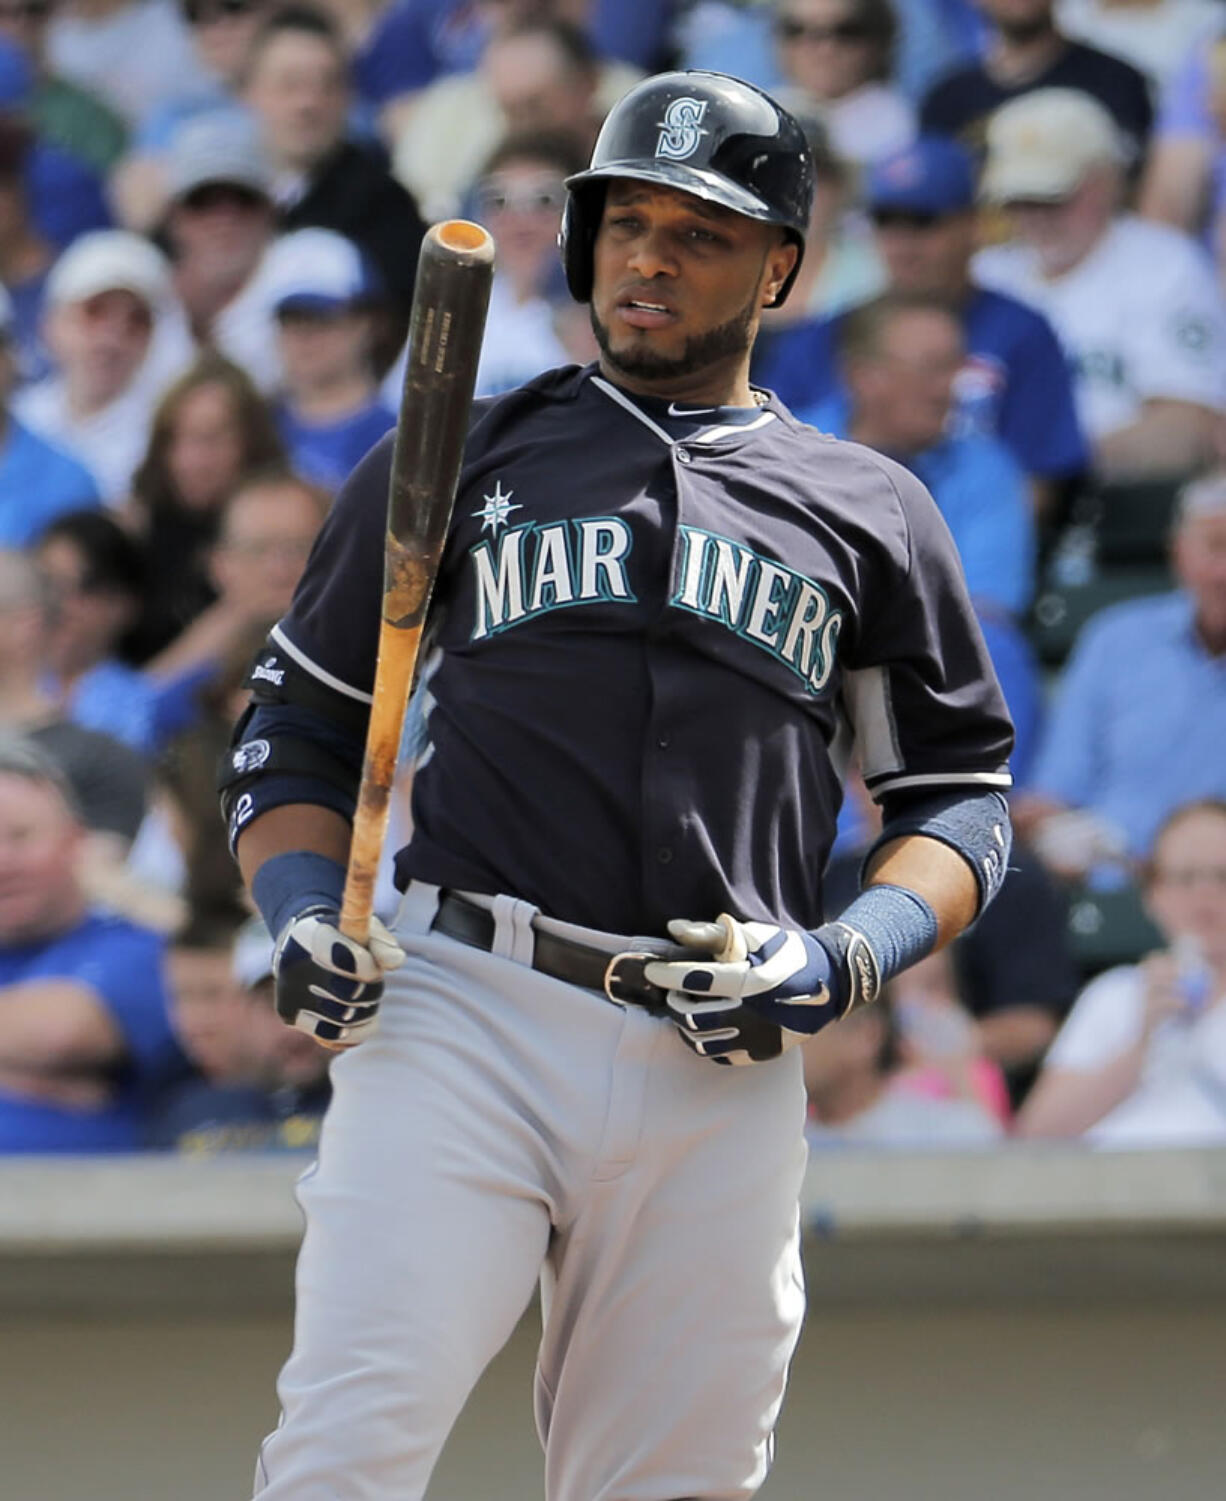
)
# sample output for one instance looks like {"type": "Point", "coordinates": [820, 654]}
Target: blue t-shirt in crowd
{"type": "Point", "coordinates": [1015, 384]}
{"type": "Point", "coordinates": [122, 965]}
{"type": "Point", "coordinates": [1139, 719]}
{"type": "Point", "coordinates": [983, 496]}
{"type": "Point", "coordinates": [326, 452]}
{"type": "Point", "coordinates": [38, 482]}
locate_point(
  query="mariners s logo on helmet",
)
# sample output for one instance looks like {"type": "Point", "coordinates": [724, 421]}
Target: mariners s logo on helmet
{"type": "Point", "coordinates": [679, 129]}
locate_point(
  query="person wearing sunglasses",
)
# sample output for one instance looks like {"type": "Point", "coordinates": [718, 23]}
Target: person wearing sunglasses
{"type": "Point", "coordinates": [837, 56]}
{"type": "Point", "coordinates": [519, 198]}
{"type": "Point", "coordinates": [1014, 384]}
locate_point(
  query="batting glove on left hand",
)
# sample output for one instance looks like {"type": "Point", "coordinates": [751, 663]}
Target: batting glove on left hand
{"type": "Point", "coordinates": [765, 989]}
{"type": "Point", "coordinates": [329, 986]}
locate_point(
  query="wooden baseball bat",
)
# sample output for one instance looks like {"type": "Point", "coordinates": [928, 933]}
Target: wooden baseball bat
{"type": "Point", "coordinates": [450, 298]}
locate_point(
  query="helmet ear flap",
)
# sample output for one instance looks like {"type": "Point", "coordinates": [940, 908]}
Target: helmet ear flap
{"type": "Point", "coordinates": [577, 237]}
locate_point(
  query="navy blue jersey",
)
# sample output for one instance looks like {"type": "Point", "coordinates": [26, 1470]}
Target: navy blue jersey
{"type": "Point", "coordinates": [653, 652]}
{"type": "Point", "coordinates": [1015, 384]}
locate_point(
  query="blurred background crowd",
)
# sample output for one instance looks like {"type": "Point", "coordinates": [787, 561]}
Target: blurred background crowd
{"type": "Point", "coordinates": [1015, 284]}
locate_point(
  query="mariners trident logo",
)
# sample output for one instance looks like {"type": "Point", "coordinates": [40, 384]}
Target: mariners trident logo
{"type": "Point", "coordinates": [679, 130]}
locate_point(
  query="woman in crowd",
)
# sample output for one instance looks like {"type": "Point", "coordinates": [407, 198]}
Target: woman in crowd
{"type": "Point", "coordinates": [837, 56]}
{"type": "Point", "coordinates": [1141, 1060]}
{"type": "Point", "coordinates": [210, 430]}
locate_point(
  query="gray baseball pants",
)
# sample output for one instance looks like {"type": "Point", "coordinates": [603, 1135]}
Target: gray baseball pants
{"type": "Point", "coordinates": [502, 1127]}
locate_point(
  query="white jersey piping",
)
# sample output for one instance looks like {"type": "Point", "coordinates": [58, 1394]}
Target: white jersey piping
{"type": "Point", "coordinates": [324, 676]}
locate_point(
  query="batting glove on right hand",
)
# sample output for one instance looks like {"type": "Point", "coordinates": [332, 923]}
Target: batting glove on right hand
{"type": "Point", "coordinates": [329, 986]}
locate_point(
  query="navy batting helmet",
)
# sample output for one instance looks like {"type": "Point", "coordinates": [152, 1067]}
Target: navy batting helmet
{"type": "Point", "coordinates": [704, 133]}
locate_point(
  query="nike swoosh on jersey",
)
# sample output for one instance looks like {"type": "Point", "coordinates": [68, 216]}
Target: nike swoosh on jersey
{"type": "Point", "coordinates": [675, 411]}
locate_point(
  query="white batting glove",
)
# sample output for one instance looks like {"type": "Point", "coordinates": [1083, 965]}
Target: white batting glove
{"type": "Point", "coordinates": [329, 986]}
{"type": "Point", "coordinates": [764, 988]}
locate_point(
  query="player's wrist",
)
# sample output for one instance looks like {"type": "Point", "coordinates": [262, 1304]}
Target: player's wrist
{"type": "Point", "coordinates": [291, 884]}
{"type": "Point", "coordinates": [884, 931]}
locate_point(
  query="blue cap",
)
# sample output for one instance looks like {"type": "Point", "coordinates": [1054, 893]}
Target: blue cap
{"type": "Point", "coordinates": [931, 176]}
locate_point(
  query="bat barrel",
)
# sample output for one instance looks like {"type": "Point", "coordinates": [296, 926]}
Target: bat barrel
{"type": "Point", "coordinates": [449, 308]}
{"type": "Point", "coordinates": [450, 299]}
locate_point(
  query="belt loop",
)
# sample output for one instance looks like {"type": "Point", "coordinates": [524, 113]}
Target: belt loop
{"type": "Point", "coordinates": [417, 907]}
{"type": "Point", "coordinates": [513, 935]}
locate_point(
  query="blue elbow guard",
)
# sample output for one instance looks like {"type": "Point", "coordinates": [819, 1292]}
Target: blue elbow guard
{"type": "Point", "coordinates": [977, 827]}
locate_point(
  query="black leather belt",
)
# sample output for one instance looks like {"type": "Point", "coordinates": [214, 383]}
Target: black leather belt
{"type": "Point", "coordinates": [620, 977]}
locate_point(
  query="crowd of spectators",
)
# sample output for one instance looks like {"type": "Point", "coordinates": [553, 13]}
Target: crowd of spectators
{"type": "Point", "coordinates": [1015, 284]}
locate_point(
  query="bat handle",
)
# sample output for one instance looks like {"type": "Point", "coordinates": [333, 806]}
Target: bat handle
{"type": "Point", "coordinates": [394, 673]}
{"type": "Point", "coordinates": [734, 949]}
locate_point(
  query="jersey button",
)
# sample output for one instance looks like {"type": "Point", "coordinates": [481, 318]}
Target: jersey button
{"type": "Point", "coordinates": [683, 455]}
{"type": "Point", "coordinates": [664, 855]}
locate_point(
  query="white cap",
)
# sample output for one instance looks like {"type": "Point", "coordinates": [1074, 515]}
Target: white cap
{"type": "Point", "coordinates": [1205, 496]}
{"type": "Point", "coordinates": [110, 260]}
{"type": "Point", "coordinates": [1042, 144]}
{"type": "Point", "coordinates": [251, 957]}
{"type": "Point", "coordinates": [319, 269]}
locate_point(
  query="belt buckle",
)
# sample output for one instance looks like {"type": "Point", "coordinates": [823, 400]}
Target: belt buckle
{"type": "Point", "coordinates": [644, 989]}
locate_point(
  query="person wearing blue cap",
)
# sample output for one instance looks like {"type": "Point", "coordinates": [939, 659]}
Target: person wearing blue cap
{"type": "Point", "coordinates": [324, 294]}
{"type": "Point", "coordinates": [1014, 384]}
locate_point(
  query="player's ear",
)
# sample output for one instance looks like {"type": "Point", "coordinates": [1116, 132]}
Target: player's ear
{"type": "Point", "coordinates": [780, 260]}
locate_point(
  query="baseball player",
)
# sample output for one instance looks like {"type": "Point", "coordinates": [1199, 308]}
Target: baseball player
{"type": "Point", "coordinates": [666, 612]}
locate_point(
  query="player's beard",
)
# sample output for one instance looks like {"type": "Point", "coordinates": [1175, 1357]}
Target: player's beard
{"type": "Point", "coordinates": [728, 341]}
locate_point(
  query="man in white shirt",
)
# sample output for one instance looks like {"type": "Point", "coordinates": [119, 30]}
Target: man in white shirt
{"type": "Point", "coordinates": [1141, 1060]}
{"type": "Point", "coordinates": [118, 337]}
{"type": "Point", "coordinates": [1134, 304]}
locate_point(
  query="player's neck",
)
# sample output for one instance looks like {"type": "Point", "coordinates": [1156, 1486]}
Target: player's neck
{"type": "Point", "coordinates": [712, 387]}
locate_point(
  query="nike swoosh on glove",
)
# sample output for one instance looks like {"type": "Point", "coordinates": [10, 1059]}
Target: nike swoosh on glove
{"type": "Point", "coordinates": [329, 986]}
{"type": "Point", "coordinates": [762, 990]}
